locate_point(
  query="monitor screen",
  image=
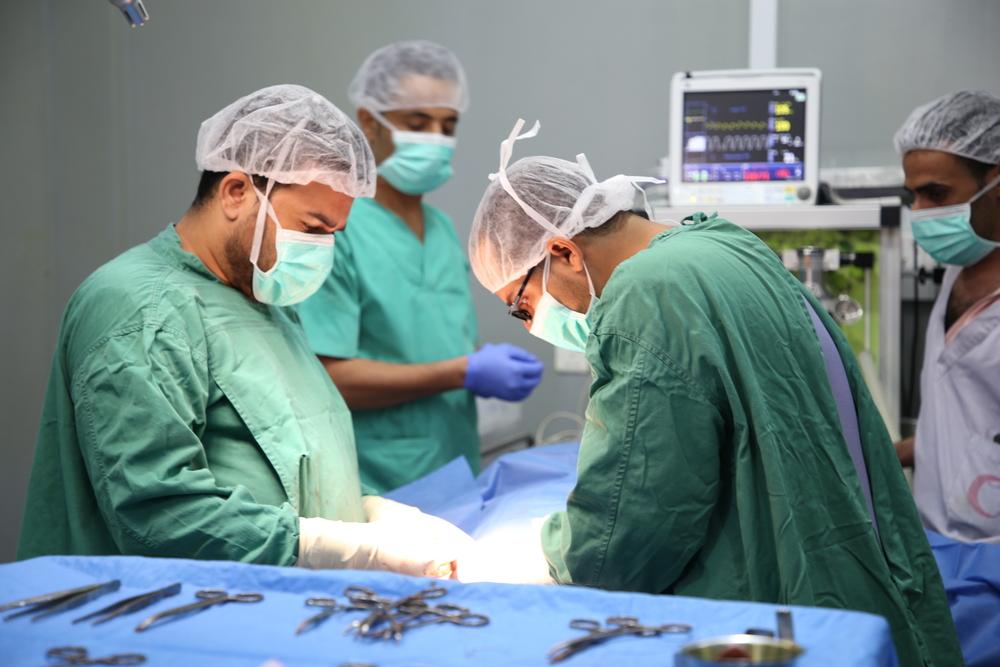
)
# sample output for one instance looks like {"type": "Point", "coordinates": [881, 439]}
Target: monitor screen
{"type": "Point", "coordinates": [744, 135]}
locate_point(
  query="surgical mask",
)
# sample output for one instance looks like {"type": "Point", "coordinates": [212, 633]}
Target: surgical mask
{"type": "Point", "coordinates": [421, 161]}
{"type": "Point", "coordinates": [946, 232]}
{"type": "Point", "coordinates": [302, 261]}
{"type": "Point", "coordinates": [556, 324]}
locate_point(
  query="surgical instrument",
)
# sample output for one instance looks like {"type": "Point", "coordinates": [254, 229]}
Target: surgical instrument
{"type": "Point", "coordinates": [330, 607]}
{"type": "Point", "coordinates": [617, 626]}
{"type": "Point", "coordinates": [389, 619]}
{"type": "Point", "coordinates": [785, 628]}
{"type": "Point", "coordinates": [78, 655]}
{"type": "Point", "coordinates": [419, 615]}
{"type": "Point", "coordinates": [383, 610]}
{"type": "Point", "coordinates": [206, 599]}
{"type": "Point", "coordinates": [130, 605]}
{"type": "Point", "coordinates": [48, 604]}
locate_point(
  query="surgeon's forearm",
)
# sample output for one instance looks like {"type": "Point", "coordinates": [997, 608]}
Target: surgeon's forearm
{"type": "Point", "coordinates": [367, 385]}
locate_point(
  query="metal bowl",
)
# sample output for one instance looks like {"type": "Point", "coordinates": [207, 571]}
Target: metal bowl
{"type": "Point", "coordinates": [739, 650]}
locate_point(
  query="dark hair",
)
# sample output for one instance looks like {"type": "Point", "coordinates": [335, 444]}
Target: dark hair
{"type": "Point", "coordinates": [977, 169]}
{"type": "Point", "coordinates": [209, 181]}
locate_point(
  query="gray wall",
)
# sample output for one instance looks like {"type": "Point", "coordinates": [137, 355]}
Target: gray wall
{"type": "Point", "coordinates": [882, 58]}
{"type": "Point", "coordinates": [97, 121]}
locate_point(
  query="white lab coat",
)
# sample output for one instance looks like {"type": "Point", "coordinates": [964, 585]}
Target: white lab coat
{"type": "Point", "coordinates": [956, 478]}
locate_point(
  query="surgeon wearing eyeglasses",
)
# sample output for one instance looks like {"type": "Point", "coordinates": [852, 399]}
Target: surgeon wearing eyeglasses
{"type": "Point", "coordinates": [714, 461]}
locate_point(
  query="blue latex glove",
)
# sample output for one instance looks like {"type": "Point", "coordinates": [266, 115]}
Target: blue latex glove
{"type": "Point", "coordinates": [503, 371]}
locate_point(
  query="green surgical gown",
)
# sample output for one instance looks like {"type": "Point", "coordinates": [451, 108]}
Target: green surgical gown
{"type": "Point", "coordinates": [184, 420]}
{"type": "Point", "coordinates": [392, 298]}
{"type": "Point", "coordinates": [712, 463]}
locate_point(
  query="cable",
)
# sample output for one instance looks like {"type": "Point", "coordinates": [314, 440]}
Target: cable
{"type": "Point", "coordinates": [540, 438]}
{"type": "Point", "coordinates": [570, 435]}
{"type": "Point", "coordinates": [577, 418]}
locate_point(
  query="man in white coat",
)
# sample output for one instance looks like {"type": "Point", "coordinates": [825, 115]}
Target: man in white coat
{"type": "Point", "coordinates": [951, 155]}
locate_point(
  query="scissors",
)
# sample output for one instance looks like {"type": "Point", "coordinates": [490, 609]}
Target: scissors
{"type": "Point", "coordinates": [77, 655]}
{"type": "Point", "coordinates": [421, 614]}
{"type": "Point", "coordinates": [48, 604]}
{"type": "Point", "coordinates": [385, 610]}
{"type": "Point", "coordinates": [130, 605]}
{"type": "Point", "coordinates": [381, 610]}
{"type": "Point", "coordinates": [617, 626]}
{"type": "Point", "coordinates": [207, 598]}
{"type": "Point", "coordinates": [330, 607]}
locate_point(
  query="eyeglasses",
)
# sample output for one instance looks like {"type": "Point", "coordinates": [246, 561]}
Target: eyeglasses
{"type": "Point", "coordinates": [513, 308]}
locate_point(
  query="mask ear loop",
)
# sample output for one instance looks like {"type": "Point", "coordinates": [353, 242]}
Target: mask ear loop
{"type": "Point", "coordinates": [989, 186]}
{"type": "Point", "coordinates": [384, 122]}
{"type": "Point", "coordinates": [545, 275]}
{"type": "Point", "coordinates": [264, 208]}
{"type": "Point", "coordinates": [265, 198]}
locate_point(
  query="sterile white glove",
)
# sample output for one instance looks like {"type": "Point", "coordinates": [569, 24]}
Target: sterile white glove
{"type": "Point", "coordinates": [397, 538]}
{"type": "Point", "coordinates": [510, 555]}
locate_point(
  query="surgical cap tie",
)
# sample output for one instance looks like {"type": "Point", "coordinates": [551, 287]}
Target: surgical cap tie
{"type": "Point", "coordinates": [586, 197]}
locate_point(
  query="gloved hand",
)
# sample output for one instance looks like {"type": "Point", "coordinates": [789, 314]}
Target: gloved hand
{"type": "Point", "coordinates": [503, 371]}
{"type": "Point", "coordinates": [397, 538]}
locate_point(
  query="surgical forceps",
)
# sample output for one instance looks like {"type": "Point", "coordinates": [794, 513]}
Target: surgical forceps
{"type": "Point", "coordinates": [384, 610]}
{"type": "Point", "coordinates": [330, 607]}
{"type": "Point", "coordinates": [412, 611]}
{"type": "Point", "coordinates": [78, 655]}
{"type": "Point", "coordinates": [48, 604]}
{"type": "Point", "coordinates": [419, 614]}
{"type": "Point", "coordinates": [206, 599]}
{"type": "Point", "coordinates": [617, 626]}
{"type": "Point", "coordinates": [130, 605]}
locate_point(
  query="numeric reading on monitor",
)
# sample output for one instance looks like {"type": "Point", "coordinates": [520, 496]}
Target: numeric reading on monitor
{"type": "Point", "coordinates": [745, 135]}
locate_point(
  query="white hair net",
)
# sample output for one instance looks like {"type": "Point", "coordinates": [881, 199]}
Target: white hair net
{"type": "Point", "coordinates": [288, 134]}
{"type": "Point", "coordinates": [966, 123]}
{"type": "Point", "coordinates": [537, 199]}
{"type": "Point", "coordinates": [390, 78]}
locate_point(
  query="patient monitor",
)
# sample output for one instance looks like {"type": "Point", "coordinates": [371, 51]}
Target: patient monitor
{"type": "Point", "coordinates": [742, 137]}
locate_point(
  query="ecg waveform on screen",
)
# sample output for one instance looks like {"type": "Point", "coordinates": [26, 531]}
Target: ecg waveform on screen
{"type": "Point", "coordinates": [738, 143]}
{"type": "Point", "coordinates": [735, 125]}
{"type": "Point", "coordinates": [743, 136]}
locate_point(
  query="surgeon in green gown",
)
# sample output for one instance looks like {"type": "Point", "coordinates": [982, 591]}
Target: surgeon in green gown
{"type": "Point", "coordinates": [712, 463]}
{"type": "Point", "coordinates": [394, 324]}
{"type": "Point", "coordinates": [186, 415]}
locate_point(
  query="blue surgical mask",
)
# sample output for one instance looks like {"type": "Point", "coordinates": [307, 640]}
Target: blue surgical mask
{"type": "Point", "coordinates": [421, 161]}
{"type": "Point", "coordinates": [556, 324]}
{"type": "Point", "coordinates": [946, 232]}
{"type": "Point", "coordinates": [302, 261]}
